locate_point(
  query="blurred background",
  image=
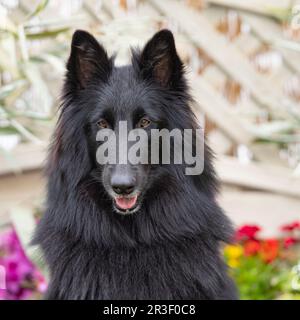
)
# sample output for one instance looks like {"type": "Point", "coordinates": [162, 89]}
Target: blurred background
{"type": "Point", "coordinates": [243, 64]}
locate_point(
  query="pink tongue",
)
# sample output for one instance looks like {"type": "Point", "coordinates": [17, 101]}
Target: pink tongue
{"type": "Point", "coordinates": [126, 203]}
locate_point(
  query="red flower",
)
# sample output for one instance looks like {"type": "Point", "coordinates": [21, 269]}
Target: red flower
{"type": "Point", "coordinates": [291, 226]}
{"type": "Point", "coordinates": [289, 241]}
{"type": "Point", "coordinates": [251, 247]}
{"type": "Point", "coordinates": [269, 250]}
{"type": "Point", "coordinates": [247, 232]}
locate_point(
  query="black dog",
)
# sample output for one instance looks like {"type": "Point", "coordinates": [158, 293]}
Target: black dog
{"type": "Point", "coordinates": [129, 231]}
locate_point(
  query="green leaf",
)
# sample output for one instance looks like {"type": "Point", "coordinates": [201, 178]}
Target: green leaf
{"type": "Point", "coordinates": [45, 100]}
{"type": "Point", "coordinates": [8, 130]}
{"type": "Point", "coordinates": [47, 33]}
{"type": "Point", "coordinates": [8, 54]}
{"type": "Point", "coordinates": [57, 63]}
{"type": "Point", "coordinates": [39, 8]}
{"type": "Point", "coordinates": [24, 131]}
{"type": "Point", "coordinates": [282, 14]}
{"type": "Point", "coordinates": [10, 88]}
{"type": "Point", "coordinates": [267, 129]}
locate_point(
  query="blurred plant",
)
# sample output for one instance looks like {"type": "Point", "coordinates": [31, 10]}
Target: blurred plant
{"type": "Point", "coordinates": [265, 268]}
{"type": "Point", "coordinates": [23, 279]}
{"type": "Point", "coordinates": [27, 61]}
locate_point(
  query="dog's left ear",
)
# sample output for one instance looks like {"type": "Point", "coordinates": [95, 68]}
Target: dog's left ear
{"type": "Point", "coordinates": [159, 60]}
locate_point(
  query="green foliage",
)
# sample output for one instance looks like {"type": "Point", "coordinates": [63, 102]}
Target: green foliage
{"type": "Point", "coordinates": [257, 280]}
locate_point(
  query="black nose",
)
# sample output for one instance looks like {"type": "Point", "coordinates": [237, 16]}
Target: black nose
{"type": "Point", "coordinates": [122, 184]}
{"type": "Point", "coordinates": [123, 189]}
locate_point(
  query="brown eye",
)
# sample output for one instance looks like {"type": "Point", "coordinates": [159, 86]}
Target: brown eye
{"type": "Point", "coordinates": [103, 124]}
{"type": "Point", "coordinates": [143, 123]}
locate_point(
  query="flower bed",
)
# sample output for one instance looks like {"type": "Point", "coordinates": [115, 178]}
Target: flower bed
{"type": "Point", "coordinates": [266, 268]}
{"type": "Point", "coordinates": [261, 268]}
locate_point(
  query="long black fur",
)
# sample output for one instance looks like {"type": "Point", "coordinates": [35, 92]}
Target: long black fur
{"type": "Point", "coordinates": [170, 248]}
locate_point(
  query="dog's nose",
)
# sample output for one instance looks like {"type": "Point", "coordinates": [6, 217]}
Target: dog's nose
{"type": "Point", "coordinates": [122, 184]}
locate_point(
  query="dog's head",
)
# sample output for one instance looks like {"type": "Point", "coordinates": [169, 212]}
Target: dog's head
{"type": "Point", "coordinates": [148, 94]}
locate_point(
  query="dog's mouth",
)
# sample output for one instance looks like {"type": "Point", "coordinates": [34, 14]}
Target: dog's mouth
{"type": "Point", "coordinates": [126, 204]}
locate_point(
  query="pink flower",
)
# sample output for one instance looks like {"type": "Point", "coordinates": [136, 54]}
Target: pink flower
{"type": "Point", "coordinates": [289, 241]}
{"type": "Point", "coordinates": [247, 232]}
{"type": "Point", "coordinates": [291, 226]}
{"type": "Point", "coordinates": [22, 278]}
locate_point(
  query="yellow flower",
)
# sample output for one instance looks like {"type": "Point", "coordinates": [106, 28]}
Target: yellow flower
{"type": "Point", "coordinates": [233, 251]}
{"type": "Point", "coordinates": [233, 263]}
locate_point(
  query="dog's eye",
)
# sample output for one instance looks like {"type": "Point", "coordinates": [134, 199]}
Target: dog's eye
{"type": "Point", "coordinates": [103, 124]}
{"type": "Point", "coordinates": [143, 123]}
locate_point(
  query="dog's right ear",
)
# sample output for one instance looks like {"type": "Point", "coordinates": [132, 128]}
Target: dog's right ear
{"type": "Point", "coordinates": [88, 61]}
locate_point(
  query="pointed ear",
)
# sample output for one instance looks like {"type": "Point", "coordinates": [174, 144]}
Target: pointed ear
{"type": "Point", "coordinates": [88, 60]}
{"type": "Point", "coordinates": [159, 60]}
